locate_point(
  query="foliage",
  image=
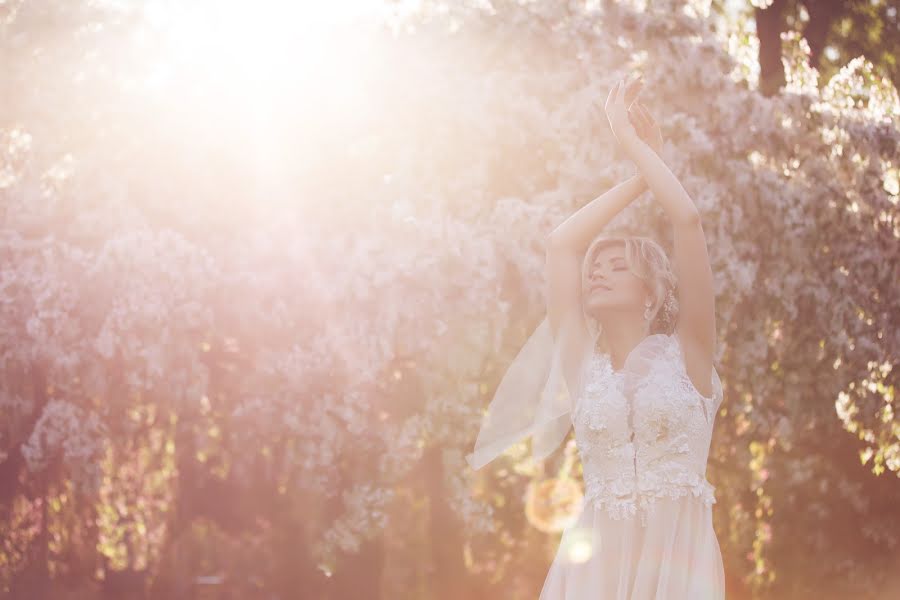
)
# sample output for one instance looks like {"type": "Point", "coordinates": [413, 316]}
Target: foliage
{"type": "Point", "coordinates": [259, 356]}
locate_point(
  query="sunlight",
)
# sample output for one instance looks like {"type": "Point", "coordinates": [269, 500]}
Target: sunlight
{"type": "Point", "coordinates": [239, 79]}
{"type": "Point", "coordinates": [251, 55]}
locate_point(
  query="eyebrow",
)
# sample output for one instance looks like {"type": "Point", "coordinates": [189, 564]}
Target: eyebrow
{"type": "Point", "coordinates": [615, 258]}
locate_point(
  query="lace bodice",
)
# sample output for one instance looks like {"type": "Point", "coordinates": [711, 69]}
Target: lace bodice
{"type": "Point", "coordinates": [644, 432]}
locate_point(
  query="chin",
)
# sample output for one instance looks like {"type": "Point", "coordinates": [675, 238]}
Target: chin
{"type": "Point", "coordinates": [595, 303]}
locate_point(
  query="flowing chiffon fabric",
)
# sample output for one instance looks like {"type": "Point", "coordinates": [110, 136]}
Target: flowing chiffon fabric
{"type": "Point", "coordinates": [532, 401]}
{"type": "Point", "coordinates": [675, 557]}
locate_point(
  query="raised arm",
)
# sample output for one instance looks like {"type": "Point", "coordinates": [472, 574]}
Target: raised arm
{"type": "Point", "coordinates": [567, 244]}
{"type": "Point", "coordinates": [696, 326]}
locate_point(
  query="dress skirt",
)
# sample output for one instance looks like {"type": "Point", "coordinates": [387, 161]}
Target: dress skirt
{"type": "Point", "coordinates": [675, 557]}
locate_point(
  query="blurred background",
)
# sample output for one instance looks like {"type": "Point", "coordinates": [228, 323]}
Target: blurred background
{"type": "Point", "coordinates": [264, 264]}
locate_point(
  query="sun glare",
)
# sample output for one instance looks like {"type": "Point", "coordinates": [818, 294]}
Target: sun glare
{"type": "Point", "coordinates": [255, 51]}
{"type": "Point", "coordinates": [265, 83]}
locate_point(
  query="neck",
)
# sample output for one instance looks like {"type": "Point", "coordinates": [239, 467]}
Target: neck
{"type": "Point", "coordinates": [623, 332]}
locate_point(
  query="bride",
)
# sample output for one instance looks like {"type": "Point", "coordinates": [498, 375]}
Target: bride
{"type": "Point", "coordinates": [625, 357]}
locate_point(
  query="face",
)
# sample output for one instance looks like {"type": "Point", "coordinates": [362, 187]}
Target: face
{"type": "Point", "coordinates": [611, 285]}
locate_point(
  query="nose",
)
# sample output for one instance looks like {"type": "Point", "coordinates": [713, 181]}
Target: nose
{"type": "Point", "coordinates": [597, 278]}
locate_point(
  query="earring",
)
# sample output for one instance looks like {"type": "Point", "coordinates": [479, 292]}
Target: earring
{"type": "Point", "coordinates": [670, 306]}
{"type": "Point", "coordinates": [648, 304]}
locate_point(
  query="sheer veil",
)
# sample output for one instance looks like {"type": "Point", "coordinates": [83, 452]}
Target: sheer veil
{"type": "Point", "coordinates": [533, 399]}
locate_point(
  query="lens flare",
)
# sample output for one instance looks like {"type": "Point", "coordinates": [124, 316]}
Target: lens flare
{"type": "Point", "coordinates": [578, 545]}
{"type": "Point", "coordinates": [553, 504]}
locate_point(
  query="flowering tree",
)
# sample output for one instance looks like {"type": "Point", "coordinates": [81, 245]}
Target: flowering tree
{"type": "Point", "coordinates": [256, 357]}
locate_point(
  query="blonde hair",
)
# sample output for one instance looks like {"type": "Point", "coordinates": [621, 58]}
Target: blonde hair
{"type": "Point", "coordinates": [648, 261]}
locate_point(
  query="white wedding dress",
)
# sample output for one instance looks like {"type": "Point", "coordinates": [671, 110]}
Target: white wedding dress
{"type": "Point", "coordinates": [644, 529]}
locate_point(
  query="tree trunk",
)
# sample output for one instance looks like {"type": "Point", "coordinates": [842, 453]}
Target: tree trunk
{"type": "Point", "coordinates": [769, 25]}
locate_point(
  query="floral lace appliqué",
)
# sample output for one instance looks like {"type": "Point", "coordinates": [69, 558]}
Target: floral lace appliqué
{"type": "Point", "coordinates": [644, 432]}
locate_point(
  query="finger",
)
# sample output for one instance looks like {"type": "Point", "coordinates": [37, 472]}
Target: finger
{"type": "Point", "coordinates": [613, 104]}
{"type": "Point", "coordinates": [640, 129]}
{"type": "Point", "coordinates": [614, 93]}
{"type": "Point", "coordinates": [620, 94]}
{"type": "Point", "coordinates": [636, 122]}
{"type": "Point", "coordinates": [644, 114]}
{"type": "Point", "coordinates": [644, 120]}
{"type": "Point", "coordinates": [635, 117]}
{"type": "Point", "coordinates": [640, 120]}
{"type": "Point", "coordinates": [649, 116]}
{"type": "Point", "coordinates": [633, 89]}
{"type": "Point", "coordinates": [637, 111]}
{"type": "Point", "coordinates": [611, 98]}
{"type": "Point", "coordinates": [631, 96]}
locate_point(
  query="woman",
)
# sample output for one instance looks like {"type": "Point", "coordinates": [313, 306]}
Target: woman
{"type": "Point", "coordinates": [625, 355]}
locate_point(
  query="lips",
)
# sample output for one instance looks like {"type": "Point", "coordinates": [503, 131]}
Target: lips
{"type": "Point", "coordinates": [600, 286]}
